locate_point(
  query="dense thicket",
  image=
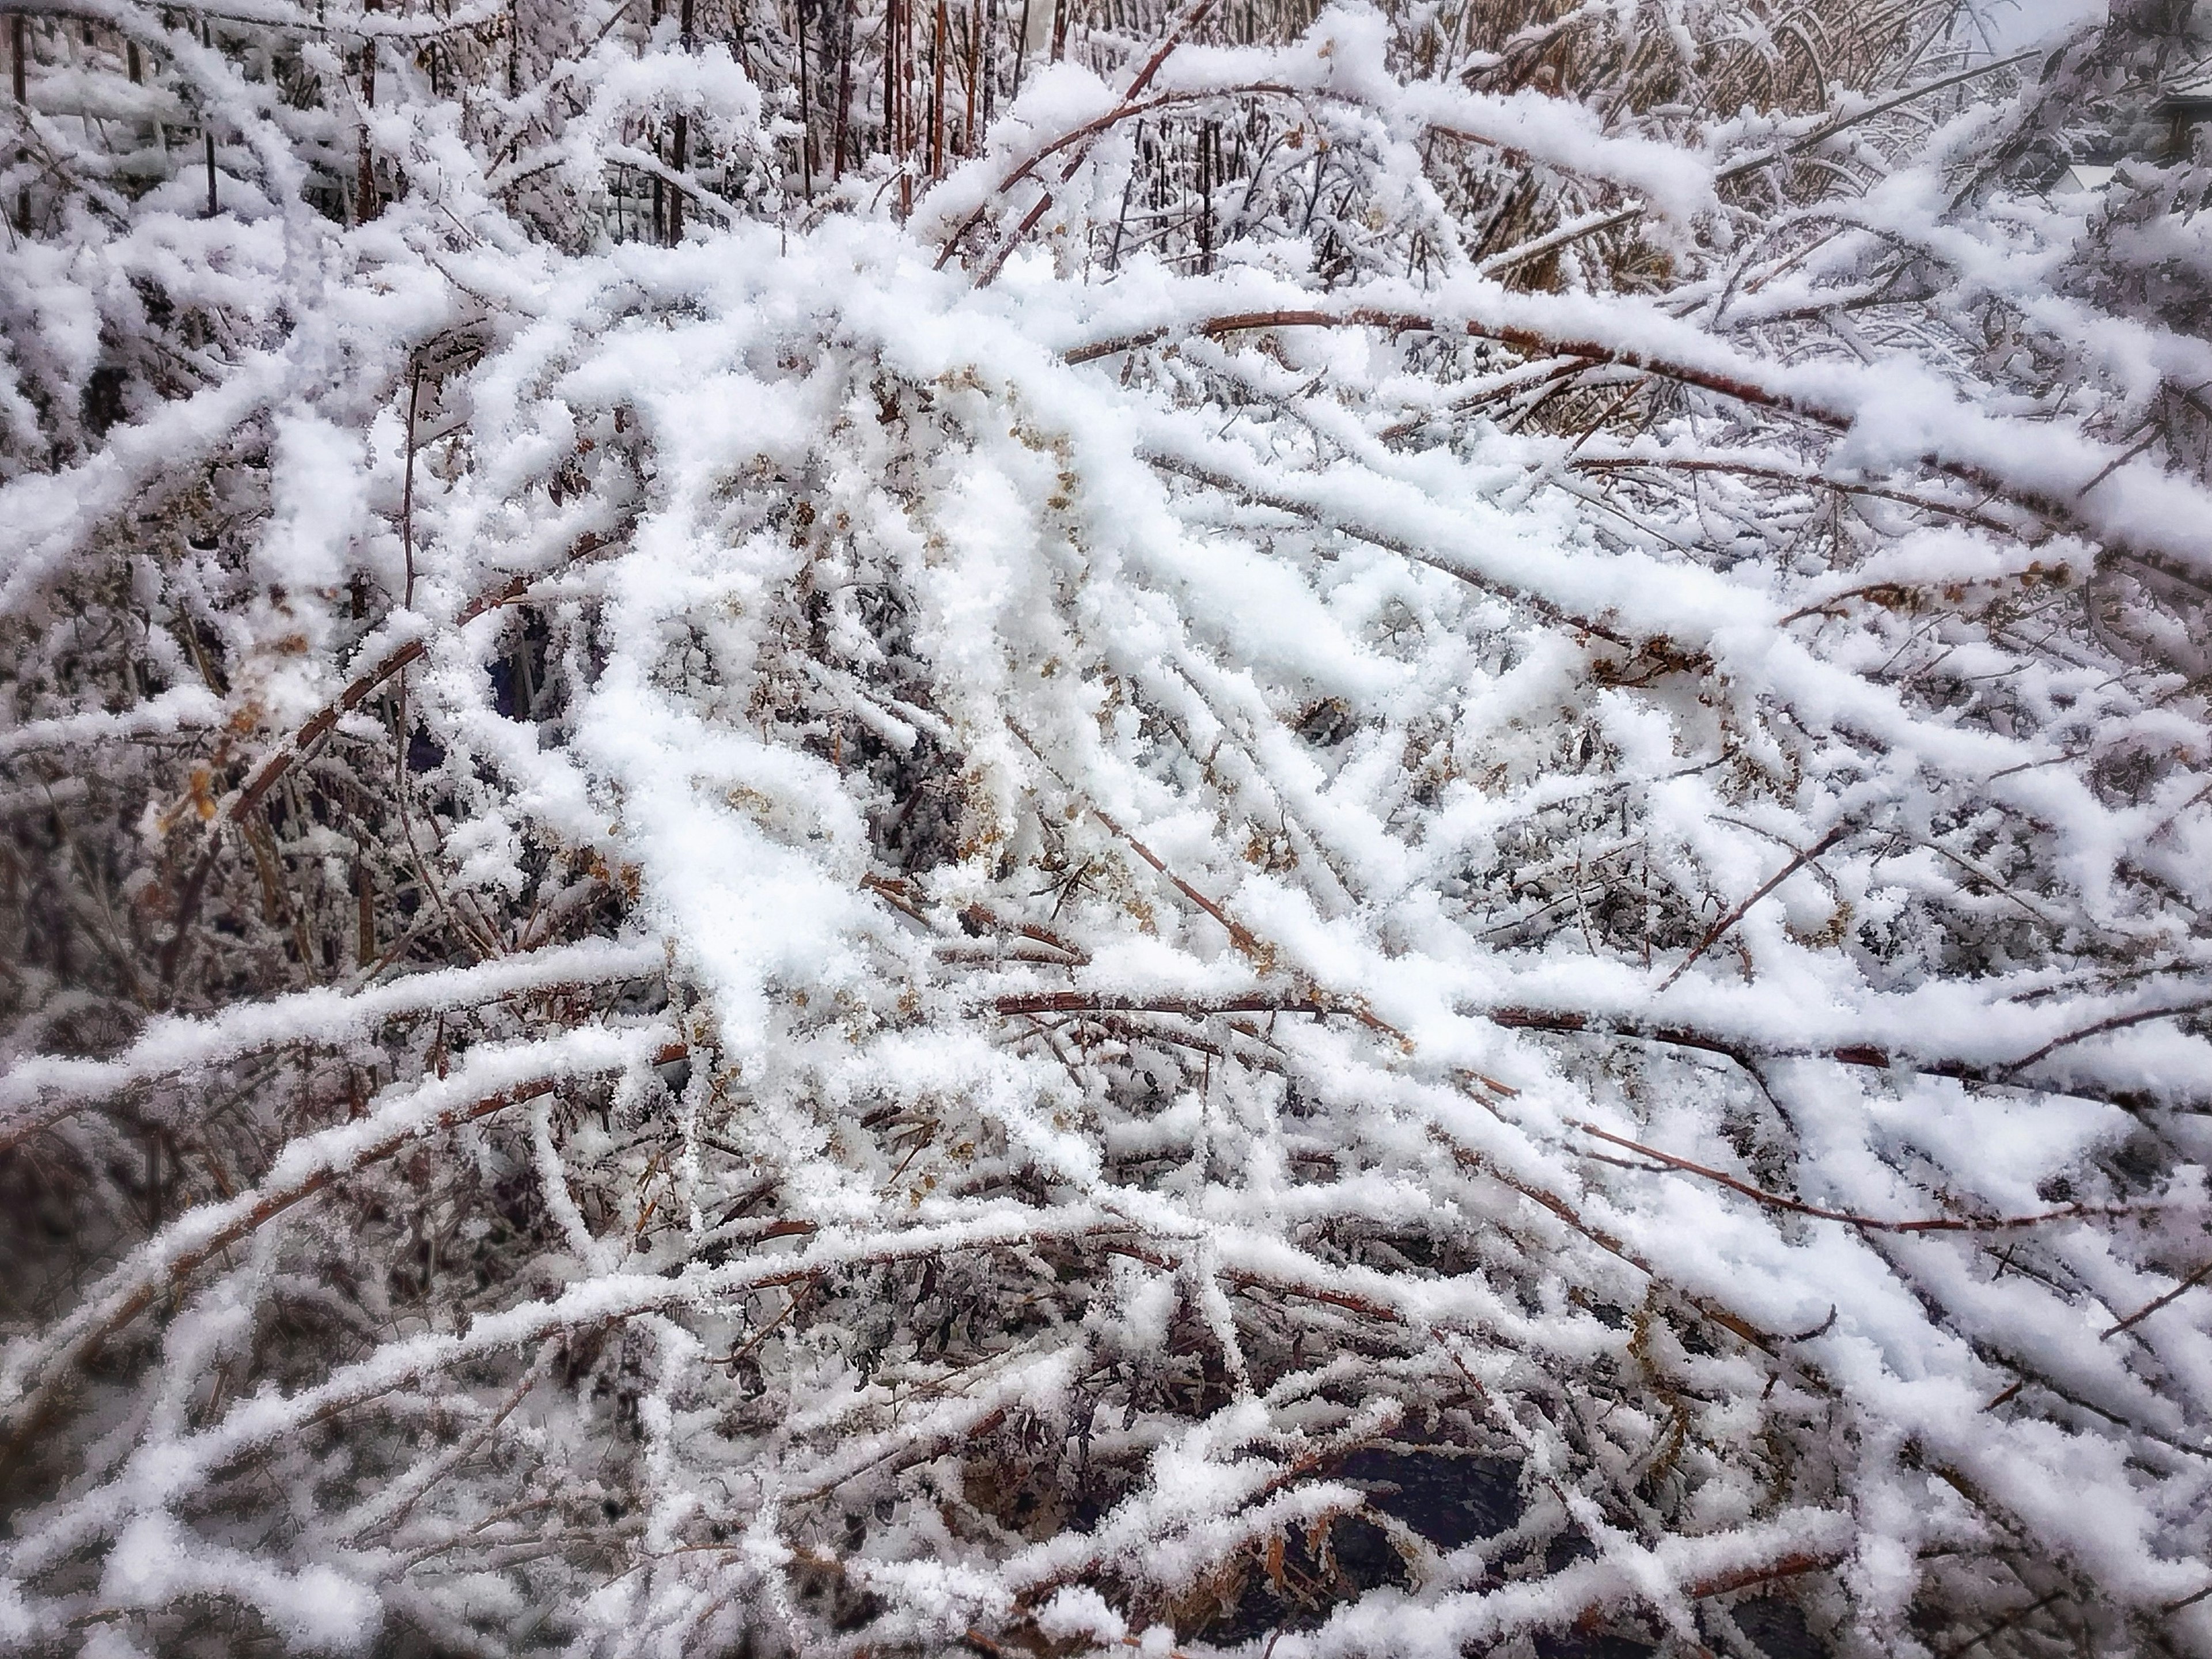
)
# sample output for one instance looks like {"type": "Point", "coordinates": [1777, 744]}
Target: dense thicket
{"type": "Point", "coordinates": [889, 828]}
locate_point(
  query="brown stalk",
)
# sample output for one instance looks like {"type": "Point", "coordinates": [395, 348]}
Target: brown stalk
{"type": "Point", "coordinates": [1570, 1022]}
{"type": "Point", "coordinates": [968, 144]}
{"type": "Point", "coordinates": [1810, 479]}
{"type": "Point", "coordinates": [1244, 1280]}
{"type": "Point", "coordinates": [515, 1396]}
{"type": "Point", "coordinates": [1764, 1341]}
{"type": "Point", "coordinates": [844, 86]}
{"type": "Point", "coordinates": [1189, 21]}
{"type": "Point", "coordinates": [792, 1302]}
{"type": "Point", "coordinates": [1399, 546]}
{"type": "Point", "coordinates": [2116, 1022]}
{"type": "Point", "coordinates": [1747, 1055]}
{"type": "Point", "coordinates": [1713, 933]}
{"type": "Point", "coordinates": [890, 79]}
{"type": "Point", "coordinates": [805, 107]}
{"type": "Point", "coordinates": [2155, 1304]}
{"type": "Point", "coordinates": [265, 776]}
{"type": "Point", "coordinates": [1554, 240]}
{"type": "Point", "coordinates": [1790, 1566]}
{"type": "Point", "coordinates": [24, 1129]}
{"type": "Point", "coordinates": [1239, 935]}
{"type": "Point", "coordinates": [1870, 1223]}
{"type": "Point", "coordinates": [1129, 107]}
{"type": "Point", "coordinates": [680, 155]}
{"type": "Point", "coordinates": [1082, 1002]}
{"type": "Point", "coordinates": [2002, 1624]}
{"type": "Point", "coordinates": [2055, 509]}
{"type": "Point", "coordinates": [937, 47]}
{"type": "Point", "coordinates": [407, 487]}
{"type": "Point", "coordinates": [273, 1203]}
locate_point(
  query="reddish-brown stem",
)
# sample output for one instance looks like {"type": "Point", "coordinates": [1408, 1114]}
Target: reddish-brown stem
{"type": "Point", "coordinates": [1713, 933]}
{"type": "Point", "coordinates": [1189, 21]}
{"type": "Point", "coordinates": [1239, 935]}
{"type": "Point", "coordinates": [1565, 1022]}
{"type": "Point", "coordinates": [1870, 1223]}
{"type": "Point", "coordinates": [265, 776]}
{"type": "Point", "coordinates": [270, 1205]}
{"type": "Point", "coordinates": [2156, 1303]}
{"type": "Point", "coordinates": [407, 487]}
{"type": "Point", "coordinates": [2053, 508]}
{"type": "Point", "coordinates": [936, 48]}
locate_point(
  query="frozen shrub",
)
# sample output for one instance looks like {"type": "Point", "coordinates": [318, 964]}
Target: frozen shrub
{"type": "Point", "coordinates": [900, 830]}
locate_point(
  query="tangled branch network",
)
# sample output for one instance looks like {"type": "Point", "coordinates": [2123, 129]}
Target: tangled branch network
{"type": "Point", "coordinates": [1050, 830]}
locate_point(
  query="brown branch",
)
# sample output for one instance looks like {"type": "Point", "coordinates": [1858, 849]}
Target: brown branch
{"type": "Point", "coordinates": [30, 1120]}
{"type": "Point", "coordinates": [1239, 935]}
{"type": "Point", "coordinates": [1870, 1055]}
{"type": "Point", "coordinates": [2153, 1305]}
{"type": "Point", "coordinates": [1245, 1279]}
{"type": "Point", "coordinates": [1084, 1002]}
{"type": "Point", "coordinates": [1790, 1566]}
{"type": "Point", "coordinates": [1569, 1022]}
{"type": "Point", "coordinates": [2054, 509]}
{"type": "Point", "coordinates": [1190, 19]}
{"type": "Point", "coordinates": [40, 1395]}
{"type": "Point", "coordinates": [2116, 1023]}
{"type": "Point", "coordinates": [271, 770]}
{"type": "Point", "coordinates": [1713, 934]}
{"type": "Point", "coordinates": [1631, 211]}
{"type": "Point", "coordinates": [1242, 322]}
{"type": "Point", "coordinates": [1384, 539]}
{"type": "Point", "coordinates": [1870, 1223]}
{"type": "Point", "coordinates": [1129, 108]}
{"type": "Point", "coordinates": [1804, 477]}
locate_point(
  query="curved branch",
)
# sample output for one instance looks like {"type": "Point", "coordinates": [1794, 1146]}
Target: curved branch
{"type": "Point", "coordinates": [305, 1168]}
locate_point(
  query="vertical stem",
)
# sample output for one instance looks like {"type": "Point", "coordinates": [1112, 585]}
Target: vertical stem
{"type": "Point", "coordinates": [364, 894]}
{"type": "Point", "coordinates": [890, 78]}
{"type": "Point", "coordinates": [1021, 49]}
{"type": "Point", "coordinates": [680, 132]}
{"type": "Point", "coordinates": [19, 41]}
{"type": "Point", "coordinates": [806, 111]}
{"type": "Point", "coordinates": [844, 85]}
{"type": "Point", "coordinates": [937, 95]}
{"type": "Point", "coordinates": [207, 126]}
{"type": "Point", "coordinates": [990, 64]}
{"type": "Point", "coordinates": [366, 207]}
{"type": "Point", "coordinates": [1122, 219]}
{"type": "Point", "coordinates": [1209, 142]}
{"type": "Point", "coordinates": [407, 487]}
{"type": "Point", "coordinates": [1058, 28]}
{"type": "Point", "coordinates": [680, 138]}
{"type": "Point", "coordinates": [974, 76]}
{"type": "Point", "coordinates": [905, 107]}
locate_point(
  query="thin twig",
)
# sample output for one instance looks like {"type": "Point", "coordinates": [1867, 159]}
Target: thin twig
{"type": "Point", "coordinates": [1869, 1224]}
{"type": "Point", "coordinates": [2153, 1305]}
{"type": "Point", "coordinates": [1713, 933]}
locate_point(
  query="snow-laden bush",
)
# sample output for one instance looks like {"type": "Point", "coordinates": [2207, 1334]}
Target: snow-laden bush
{"type": "Point", "coordinates": [921, 828]}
